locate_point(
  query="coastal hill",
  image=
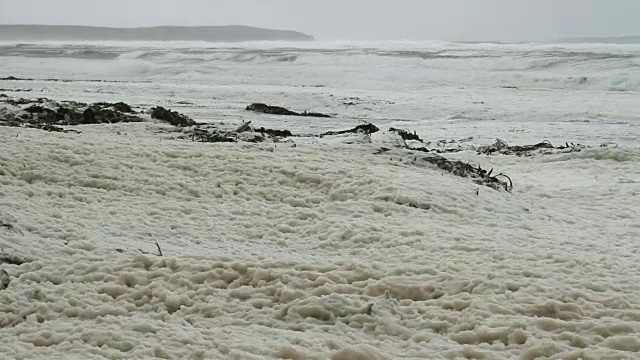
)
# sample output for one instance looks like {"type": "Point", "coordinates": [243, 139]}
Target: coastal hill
{"type": "Point", "coordinates": [232, 33]}
{"type": "Point", "coordinates": [601, 40]}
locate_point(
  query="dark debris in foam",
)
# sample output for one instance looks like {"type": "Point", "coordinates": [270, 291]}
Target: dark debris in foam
{"type": "Point", "coordinates": [366, 128]}
{"type": "Point", "coordinates": [277, 110]}
{"type": "Point", "coordinates": [543, 148]}
{"type": "Point", "coordinates": [466, 170]}
{"type": "Point", "coordinates": [51, 115]}
{"type": "Point", "coordinates": [12, 259]}
{"type": "Point", "coordinates": [13, 78]}
{"type": "Point", "coordinates": [13, 90]}
{"type": "Point", "coordinates": [458, 168]}
{"type": "Point", "coordinates": [244, 133]}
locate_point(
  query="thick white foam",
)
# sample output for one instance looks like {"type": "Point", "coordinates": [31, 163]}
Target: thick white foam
{"type": "Point", "coordinates": [319, 251]}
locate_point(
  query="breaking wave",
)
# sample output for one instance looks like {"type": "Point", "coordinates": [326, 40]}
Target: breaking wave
{"type": "Point", "coordinates": [608, 68]}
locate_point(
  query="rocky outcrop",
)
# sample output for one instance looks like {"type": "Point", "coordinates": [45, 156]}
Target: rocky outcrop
{"type": "Point", "coordinates": [50, 115]}
{"type": "Point", "coordinates": [268, 109]}
{"type": "Point", "coordinates": [119, 106]}
{"type": "Point", "coordinates": [43, 113]}
{"type": "Point", "coordinates": [172, 117]}
{"type": "Point", "coordinates": [277, 110]}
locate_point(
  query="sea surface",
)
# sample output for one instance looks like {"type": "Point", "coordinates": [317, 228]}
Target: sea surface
{"type": "Point", "coordinates": [520, 92]}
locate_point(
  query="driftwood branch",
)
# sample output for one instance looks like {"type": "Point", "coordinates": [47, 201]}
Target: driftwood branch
{"type": "Point", "coordinates": [508, 187]}
{"type": "Point", "coordinates": [244, 127]}
{"type": "Point", "coordinates": [160, 250]}
{"type": "Point", "coordinates": [149, 253]}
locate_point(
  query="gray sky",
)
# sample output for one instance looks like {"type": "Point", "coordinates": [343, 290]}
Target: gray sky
{"type": "Point", "coordinates": [501, 20]}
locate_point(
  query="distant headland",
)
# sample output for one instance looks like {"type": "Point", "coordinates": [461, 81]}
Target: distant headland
{"type": "Point", "coordinates": [231, 33]}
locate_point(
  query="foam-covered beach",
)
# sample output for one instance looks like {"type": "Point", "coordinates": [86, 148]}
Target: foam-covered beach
{"type": "Point", "coordinates": [346, 246]}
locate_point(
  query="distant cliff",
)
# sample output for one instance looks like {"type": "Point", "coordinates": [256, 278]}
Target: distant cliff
{"type": "Point", "coordinates": [602, 40]}
{"type": "Point", "coordinates": [233, 33]}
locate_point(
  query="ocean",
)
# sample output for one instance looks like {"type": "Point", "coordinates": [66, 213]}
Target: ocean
{"type": "Point", "coordinates": [333, 247]}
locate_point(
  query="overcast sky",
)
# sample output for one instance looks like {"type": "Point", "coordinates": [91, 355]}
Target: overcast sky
{"type": "Point", "coordinates": [501, 20]}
